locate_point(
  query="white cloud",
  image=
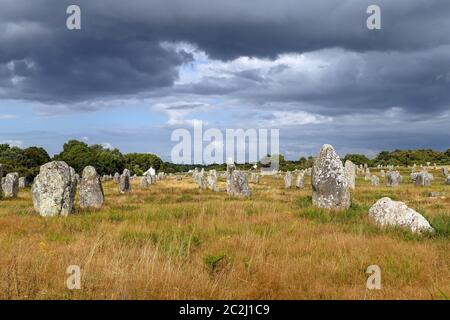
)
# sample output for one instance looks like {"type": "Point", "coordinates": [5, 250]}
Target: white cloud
{"type": "Point", "coordinates": [13, 143]}
{"type": "Point", "coordinates": [7, 116]}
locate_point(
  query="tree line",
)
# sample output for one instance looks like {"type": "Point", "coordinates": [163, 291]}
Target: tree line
{"type": "Point", "coordinates": [78, 154]}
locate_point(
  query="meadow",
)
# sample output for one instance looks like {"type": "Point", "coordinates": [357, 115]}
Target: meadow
{"type": "Point", "coordinates": [174, 241]}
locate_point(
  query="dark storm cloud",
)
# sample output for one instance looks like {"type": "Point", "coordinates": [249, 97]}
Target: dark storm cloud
{"type": "Point", "coordinates": [119, 52]}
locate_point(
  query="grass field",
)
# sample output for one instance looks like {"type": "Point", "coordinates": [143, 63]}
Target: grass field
{"type": "Point", "coordinates": [175, 241]}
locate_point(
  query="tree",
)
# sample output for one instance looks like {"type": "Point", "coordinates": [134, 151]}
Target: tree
{"type": "Point", "coordinates": [76, 154]}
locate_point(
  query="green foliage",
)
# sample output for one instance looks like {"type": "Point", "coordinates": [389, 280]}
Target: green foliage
{"type": "Point", "coordinates": [357, 159]}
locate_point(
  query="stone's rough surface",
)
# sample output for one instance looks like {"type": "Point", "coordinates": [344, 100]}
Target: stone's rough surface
{"type": "Point", "coordinates": [237, 185]}
{"type": "Point", "coordinates": [329, 184]}
{"type": "Point", "coordinates": [23, 182]}
{"type": "Point", "coordinates": [393, 178]}
{"type": "Point", "coordinates": [444, 171]}
{"type": "Point", "coordinates": [350, 173]}
{"type": "Point", "coordinates": [447, 181]}
{"type": "Point", "coordinates": [375, 181]}
{"type": "Point", "coordinates": [423, 179]}
{"type": "Point", "coordinates": [117, 177]}
{"type": "Point", "coordinates": [124, 183]}
{"type": "Point", "coordinates": [212, 182]}
{"type": "Point", "coordinates": [145, 183]}
{"type": "Point", "coordinates": [10, 186]}
{"type": "Point", "coordinates": [387, 212]}
{"type": "Point", "coordinates": [54, 188]}
{"type": "Point", "coordinates": [201, 181]}
{"type": "Point", "coordinates": [300, 181]}
{"type": "Point", "coordinates": [288, 180]}
{"type": "Point", "coordinates": [91, 189]}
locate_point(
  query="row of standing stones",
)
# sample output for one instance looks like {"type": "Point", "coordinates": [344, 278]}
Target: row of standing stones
{"type": "Point", "coordinates": [54, 188]}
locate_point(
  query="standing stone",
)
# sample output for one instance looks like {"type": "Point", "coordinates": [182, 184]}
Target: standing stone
{"type": "Point", "coordinates": [387, 212]}
{"type": "Point", "coordinates": [201, 181]}
{"type": "Point", "coordinates": [54, 188]}
{"type": "Point", "coordinates": [375, 181]}
{"type": "Point", "coordinates": [178, 178]}
{"type": "Point", "coordinates": [124, 183]}
{"type": "Point", "coordinates": [300, 181]}
{"type": "Point", "coordinates": [237, 185]}
{"type": "Point", "coordinates": [91, 189]}
{"type": "Point", "coordinates": [367, 175]}
{"type": "Point", "coordinates": [146, 181]}
{"type": "Point", "coordinates": [444, 171]}
{"type": "Point", "coordinates": [382, 173]}
{"type": "Point", "coordinates": [23, 182]}
{"type": "Point", "coordinates": [212, 182]}
{"type": "Point", "coordinates": [350, 173]}
{"type": "Point", "coordinates": [288, 180]}
{"type": "Point", "coordinates": [11, 185]}
{"type": "Point", "coordinates": [422, 179]}
{"type": "Point", "coordinates": [393, 178]}
{"type": "Point", "coordinates": [329, 185]}
{"type": "Point", "coordinates": [117, 177]}
{"type": "Point", "coordinates": [447, 181]}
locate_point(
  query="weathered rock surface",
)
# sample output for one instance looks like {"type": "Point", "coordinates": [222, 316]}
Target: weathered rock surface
{"type": "Point", "coordinates": [387, 212]}
{"type": "Point", "coordinates": [54, 189]}
{"type": "Point", "coordinates": [423, 179]}
{"type": "Point", "coordinates": [300, 181]}
{"type": "Point", "coordinates": [124, 183]}
{"type": "Point", "coordinates": [329, 184]}
{"type": "Point", "coordinates": [23, 182]}
{"type": "Point", "coordinates": [91, 189]}
{"type": "Point", "coordinates": [10, 186]}
{"type": "Point", "coordinates": [350, 173]}
{"type": "Point", "coordinates": [117, 177]}
{"type": "Point", "coordinates": [393, 178]}
{"type": "Point", "coordinates": [237, 185]}
{"type": "Point", "coordinates": [288, 180]}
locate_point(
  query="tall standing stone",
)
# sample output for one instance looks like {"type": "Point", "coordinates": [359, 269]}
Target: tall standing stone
{"type": "Point", "coordinates": [300, 181]}
{"type": "Point", "coordinates": [212, 182]}
{"type": "Point", "coordinates": [124, 183]}
{"type": "Point", "coordinates": [54, 189]}
{"type": "Point", "coordinates": [23, 182]}
{"type": "Point", "coordinates": [288, 180]}
{"type": "Point", "coordinates": [237, 185]}
{"type": "Point", "coordinates": [329, 185]}
{"type": "Point", "coordinates": [117, 177]}
{"type": "Point", "coordinates": [444, 171]}
{"type": "Point", "coordinates": [91, 189]}
{"type": "Point", "coordinates": [146, 181]}
{"type": "Point", "coordinates": [11, 185]}
{"type": "Point", "coordinates": [350, 173]}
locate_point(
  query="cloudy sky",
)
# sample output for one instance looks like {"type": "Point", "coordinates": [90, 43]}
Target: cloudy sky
{"type": "Point", "coordinates": [139, 69]}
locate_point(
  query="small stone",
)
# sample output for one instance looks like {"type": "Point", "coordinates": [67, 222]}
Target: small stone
{"type": "Point", "coordinates": [387, 212]}
{"type": "Point", "coordinates": [10, 186]}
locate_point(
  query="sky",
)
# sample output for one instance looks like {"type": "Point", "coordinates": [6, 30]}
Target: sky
{"type": "Point", "coordinates": [138, 70]}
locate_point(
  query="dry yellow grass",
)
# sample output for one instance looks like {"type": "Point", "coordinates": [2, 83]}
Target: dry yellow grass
{"type": "Point", "coordinates": [174, 241]}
